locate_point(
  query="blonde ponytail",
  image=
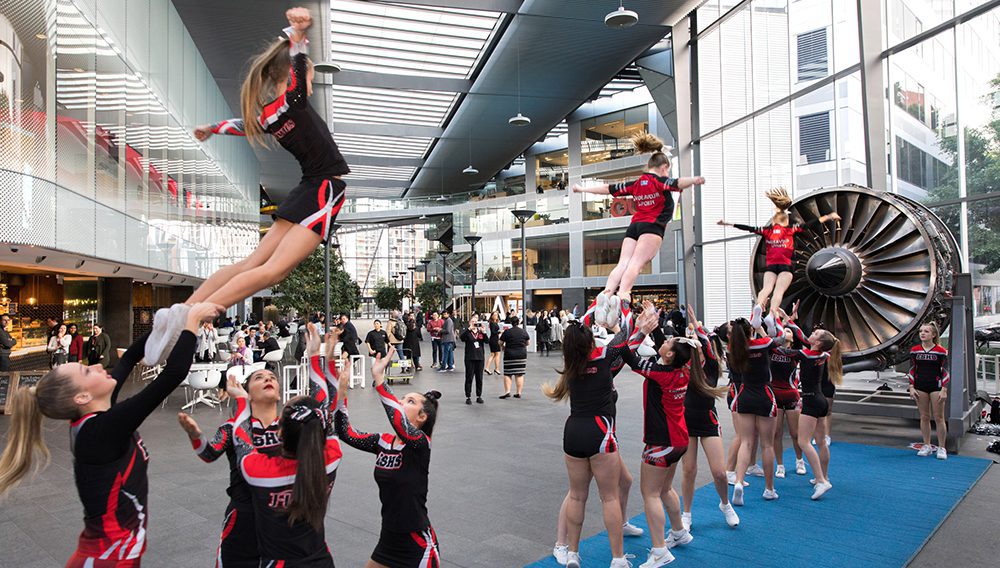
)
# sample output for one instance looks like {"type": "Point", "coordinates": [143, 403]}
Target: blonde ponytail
{"type": "Point", "coordinates": [268, 69]}
{"type": "Point", "coordinates": [24, 442]}
{"type": "Point", "coordinates": [53, 396]}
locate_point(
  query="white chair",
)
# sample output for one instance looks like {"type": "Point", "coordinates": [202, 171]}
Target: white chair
{"type": "Point", "coordinates": [205, 384]}
{"type": "Point", "coordinates": [224, 332]}
{"type": "Point", "coordinates": [300, 373]}
{"type": "Point", "coordinates": [284, 342]}
{"type": "Point", "coordinates": [357, 376]}
{"type": "Point", "coordinates": [293, 327]}
{"type": "Point", "coordinates": [274, 357]}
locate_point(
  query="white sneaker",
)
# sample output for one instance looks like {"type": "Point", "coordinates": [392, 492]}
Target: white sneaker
{"type": "Point", "coordinates": [560, 552]}
{"type": "Point", "coordinates": [731, 478]}
{"type": "Point", "coordinates": [657, 557]}
{"type": "Point", "coordinates": [622, 562]}
{"type": "Point", "coordinates": [678, 538]}
{"type": "Point", "coordinates": [800, 467]}
{"type": "Point", "coordinates": [828, 441]}
{"type": "Point", "coordinates": [942, 454]}
{"type": "Point", "coordinates": [770, 495]}
{"type": "Point", "coordinates": [755, 470]}
{"type": "Point", "coordinates": [601, 310]}
{"type": "Point", "coordinates": [572, 559]}
{"type": "Point", "coordinates": [157, 337]}
{"type": "Point", "coordinates": [686, 520]}
{"type": "Point", "coordinates": [925, 451]}
{"type": "Point", "coordinates": [614, 314]}
{"type": "Point", "coordinates": [812, 481]}
{"type": "Point", "coordinates": [732, 519]}
{"type": "Point", "coordinates": [755, 319]}
{"type": "Point", "coordinates": [821, 489]}
{"type": "Point", "coordinates": [779, 471]}
{"type": "Point", "coordinates": [628, 529]}
{"type": "Point", "coordinates": [737, 499]}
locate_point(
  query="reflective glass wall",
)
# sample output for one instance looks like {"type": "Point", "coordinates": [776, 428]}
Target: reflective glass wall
{"type": "Point", "coordinates": [97, 103]}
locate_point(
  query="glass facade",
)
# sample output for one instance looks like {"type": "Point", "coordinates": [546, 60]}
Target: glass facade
{"type": "Point", "coordinates": [608, 136]}
{"type": "Point", "coordinates": [97, 157]}
{"type": "Point", "coordinates": [602, 249]}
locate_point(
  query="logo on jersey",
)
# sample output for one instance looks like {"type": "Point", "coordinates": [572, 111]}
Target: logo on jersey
{"type": "Point", "coordinates": [389, 461]}
{"type": "Point", "coordinates": [285, 129]}
{"type": "Point", "coordinates": [266, 439]}
{"type": "Point", "coordinates": [280, 500]}
{"type": "Point", "coordinates": [925, 356]}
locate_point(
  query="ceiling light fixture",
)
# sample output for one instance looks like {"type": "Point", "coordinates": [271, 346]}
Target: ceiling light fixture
{"type": "Point", "coordinates": [327, 67]}
{"type": "Point", "coordinates": [518, 119]}
{"type": "Point", "coordinates": [470, 171]}
{"type": "Point", "coordinates": [621, 18]}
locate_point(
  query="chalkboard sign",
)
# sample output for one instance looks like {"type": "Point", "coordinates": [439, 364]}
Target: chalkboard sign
{"type": "Point", "coordinates": [8, 382]}
{"type": "Point", "coordinates": [29, 378]}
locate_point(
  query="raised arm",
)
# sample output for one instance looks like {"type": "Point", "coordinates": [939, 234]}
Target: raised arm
{"type": "Point", "coordinates": [603, 189]}
{"type": "Point", "coordinates": [686, 182]}
{"type": "Point", "coordinates": [127, 362]}
{"type": "Point", "coordinates": [299, 21]}
{"type": "Point", "coordinates": [407, 432]}
{"type": "Point", "coordinates": [207, 450]}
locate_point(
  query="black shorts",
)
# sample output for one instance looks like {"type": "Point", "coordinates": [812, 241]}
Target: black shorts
{"type": "Point", "coordinates": [778, 268]}
{"type": "Point", "coordinates": [927, 386]}
{"type": "Point", "coordinates": [757, 400]}
{"type": "Point", "coordinates": [238, 544]}
{"type": "Point", "coordinates": [406, 550]}
{"type": "Point", "coordinates": [662, 456]}
{"type": "Point", "coordinates": [587, 436]}
{"type": "Point", "coordinates": [314, 204]}
{"type": "Point", "coordinates": [787, 399]}
{"type": "Point", "coordinates": [815, 405]}
{"type": "Point", "coordinates": [702, 423]}
{"type": "Point", "coordinates": [636, 230]}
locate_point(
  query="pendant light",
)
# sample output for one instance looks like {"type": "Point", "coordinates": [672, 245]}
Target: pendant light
{"type": "Point", "coordinates": [621, 18]}
{"type": "Point", "coordinates": [470, 171]}
{"type": "Point", "coordinates": [518, 119]}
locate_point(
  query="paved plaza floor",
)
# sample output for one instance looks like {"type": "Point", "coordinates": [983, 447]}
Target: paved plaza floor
{"type": "Point", "coordinates": [497, 479]}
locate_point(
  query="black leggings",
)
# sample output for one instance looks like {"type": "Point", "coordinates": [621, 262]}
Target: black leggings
{"type": "Point", "coordinates": [544, 346]}
{"type": "Point", "coordinates": [474, 369]}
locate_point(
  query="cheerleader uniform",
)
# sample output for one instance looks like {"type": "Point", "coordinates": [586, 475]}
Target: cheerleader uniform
{"type": "Point", "coordinates": [754, 395]}
{"type": "Point", "coordinates": [928, 368]}
{"type": "Point", "coordinates": [779, 243]}
{"type": "Point", "coordinates": [654, 206]}
{"type": "Point", "coordinates": [402, 465]}
{"type": "Point", "coordinates": [699, 411]}
{"type": "Point", "coordinates": [665, 431]}
{"type": "Point", "coordinates": [298, 128]}
{"type": "Point", "coordinates": [784, 365]}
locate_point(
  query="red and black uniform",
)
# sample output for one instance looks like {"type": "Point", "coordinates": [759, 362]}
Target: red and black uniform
{"type": "Point", "coordinates": [238, 543]}
{"type": "Point", "coordinates": [402, 466]}
{"type": "Point", "coordinates": [827, 388]}
{"type": "Point", "coordinates": [110, 462]}
{"type": "Point", "coordinates": [654, 206]}
{"type": "Point", "coordinates": [929, 368]}
{"type": "Point", "coordinates": [699, 410]}
{"type": "Point", "coordinates": [784, 378]}
{"type": "Point", "coordinates": [590, 427]}
{"type": "Point", "coordinates": [754, 394]}
{"type": "Point", "coordinates": [317, 200]}
{"type": "Point", "coordinates": [270, 479]}
{"type": "Point", "coordinates": [779, 243]}
{"type": "Point", "coordinates": [812, 370]}
{"type": "Point", "coordinates": [664, 429]}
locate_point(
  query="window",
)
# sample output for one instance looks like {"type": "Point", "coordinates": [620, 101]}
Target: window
{"type": "Point", "coordinates": [917, 167]}
{"type": "Point", "coordinates": [812, 62]}
{"type": "Point", "coordinates": [814, 138]}
{"type": "Point", "coordinates": [608, 136]}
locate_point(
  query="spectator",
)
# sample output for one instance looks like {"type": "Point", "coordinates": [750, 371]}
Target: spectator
{"type": "Point", "coordinates": [531, 318]}
{"type": "Point", "coordinates": [242, 355]}
{"type": "Point", "coordinates": [349, 335]}
{"type": "Point", "coordinates": [396, 330]}
{"type": "Point", "coordinates": [99, 347]}
{"type": "Point", "coordinates": [447, 343]}
{"type": "Point", "coordinates": [58, 346]}
{"type": "Point", "coordinates": [515, 357]}
{"type": "Point", "coordinates": [377, 340]}
{"type": "Point", "coordinates": [75, 352]}
{"type": "Point", "coordinates": [207, 340]}
{"type": "Point", "coordinates": [576, 311]}
{"type": "Point", "coordinates": [474, 338]}
{"type": "Point", "coordinates": [559, 324]}
{"type": "Point", "coordinates": [434, 326]}
{"type": "Point", "coordinates": [543, 333]}
{"type": "Point", "coordinates": [494, 344]}
{"type": "Point", "coordinates": [268, 343]}
{"type": "Point", "coordinates": [7, 343]}
{"type": "Point", "coordinates": [420, 318]}
{"type": "Point", "coordinates": [53, 325]}
{"type": "Point", "coordinates": [411, 343]}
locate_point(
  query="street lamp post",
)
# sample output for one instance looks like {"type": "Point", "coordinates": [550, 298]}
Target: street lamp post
{"type": "Point", "coordinates": [522, 216]}
{"type": "Point", "coordinates": [331, 243]}
{"type": "Point", "coordinates": [443, 253]}
{"type": "Point", "coordinates": [472, 240]}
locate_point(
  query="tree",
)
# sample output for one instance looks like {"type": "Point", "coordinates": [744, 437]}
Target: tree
{"type": "Point", "coordinates": [304, 289]}
{"type": "Point", "coordinates": [431, 294]}
{"type": "Point", "coordinates": [388, 296]}
{"type": "Point", "coordinates": [982, 172]}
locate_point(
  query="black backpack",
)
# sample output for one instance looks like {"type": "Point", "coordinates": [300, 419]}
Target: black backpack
{"type": "Point", "coordinates": [995, 411]}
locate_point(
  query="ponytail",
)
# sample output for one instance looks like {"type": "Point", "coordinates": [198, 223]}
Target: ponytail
{"type": "Point", "coordinates": [698, 381]}
{"type": "Point", "coordinates": [646, 143]}
{"type": "Point", "coordinates": [24, 442]}
{"type": "Point", "coordinates": [52, 397]}
{"type": "Point", "coordinates": [835, 364]}
{"type": "Point", "coordinates": [267, 70]}
{"type": "Point", "coordinates": [304, 436]}
{"type": "Point", "coordinates": [739, 346]}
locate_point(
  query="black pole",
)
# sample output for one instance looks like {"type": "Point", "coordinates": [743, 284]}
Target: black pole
{"type": "Point", "coordinates": [524, 275]}
{"type": "Point", "coordinates": [326, 281]}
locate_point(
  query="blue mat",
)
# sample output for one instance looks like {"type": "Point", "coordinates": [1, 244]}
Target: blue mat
{"type": "Point", "coordinates": [885, 503]}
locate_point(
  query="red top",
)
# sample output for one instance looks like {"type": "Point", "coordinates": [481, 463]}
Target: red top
{"type": "Point", "coordinates": [651, 194]}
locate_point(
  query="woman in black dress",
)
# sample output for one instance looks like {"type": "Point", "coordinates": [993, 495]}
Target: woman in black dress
{"type": "Point", "coordinates": [494, 345]}
{"type": "Point", "coordinates": [515, 357]}
{"type": "Point", "coordinates": [411, 341]}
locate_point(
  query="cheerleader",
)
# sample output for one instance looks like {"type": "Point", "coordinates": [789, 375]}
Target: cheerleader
{"type": "Point", "coordinates": [779, 247]}
{"type": "Point", "coordinates": [929, 387]}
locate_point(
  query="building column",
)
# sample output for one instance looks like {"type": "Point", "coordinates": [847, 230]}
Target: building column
{"type": "Point", "coordinates": [116, 304]}
{"type": "Point", "coordinates": [873, 100]}
{"type": "Point", "coordinates": [687, 164]}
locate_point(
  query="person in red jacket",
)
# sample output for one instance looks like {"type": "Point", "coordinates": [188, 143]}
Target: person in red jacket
{"type": "Point", "coordinates": [75, 345]}
{"type": "Point", "coordinates": [654, 208]}
{"type": "Point", "coordinates": [779, 247]}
